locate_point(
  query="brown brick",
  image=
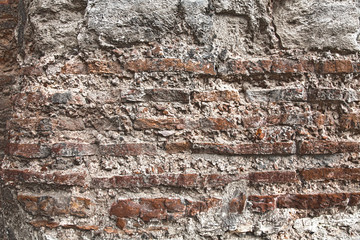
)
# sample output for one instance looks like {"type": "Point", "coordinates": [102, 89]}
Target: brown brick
{"type": "Point", "coordinates": [313, 201]}
{"type": "Point", "coordinates": [263, 148]}
{"type": "Point", "coordinates": [170, 65]}
{"type": "Point", "coordinates": [237, 204]}
{"type": "Point", "coordinates": [177, 147]}
{"type": "Point", "coordinates": [73, 149]}
{"type": "Point", "coordinates": [273, 177]}
{"type": "Point", "coordinates": [28, 150]}
{"type": "Point", "coordinates": [331, 174]}
{"type": "Point", "coordinates": [128, 149]}
{"type": "Point", "coordinates": [262, 203]}
{"type": "Point", "coordinates": [350, 122]}
{"type": "Point", "coordinates": [327, 147]}
{"type": "Point", "coordinates": [174, 205]}
{"type": "Point", "coordinates": [216, 96]}
{"type": "Point", "coordinates": [120, 223]}
{"type": "Point", "coordinates": [79, 206]}
{"type": "Point", "coordinates": [159, 123]}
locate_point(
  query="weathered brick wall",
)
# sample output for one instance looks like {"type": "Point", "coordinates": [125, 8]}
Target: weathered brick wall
{"type": "Point", "coordinates": [189, 119]}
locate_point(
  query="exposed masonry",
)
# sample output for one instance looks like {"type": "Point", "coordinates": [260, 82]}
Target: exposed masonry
{"type": "Point", "coordinates": [189, 119]}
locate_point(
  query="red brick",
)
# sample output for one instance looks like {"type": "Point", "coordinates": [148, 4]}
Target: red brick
{"type": "Point", "coordinates": [28, 150]}
{"type": "Point", "coordinates": [55, 206]}
{"type": "Point", "coordinates": [327, 147]}
{"type": "Point", "coordinates": [273, 177]}
{"type": "Point", "coordinates": [331, 174]}
{"type": "Point", "coordinates": [125, 209]}
{"type": "Point", "coordinates": [313, 201]}
{"type": "Point", "coordinates": [128, 149]}
{"type": "Point", "coordinates": [159, 123]}
{"type": "Point", "coordinates": [16, 176]}
{"type": "Point", "coordinates": [262, 203]}
{"type": "Point", "coordinates": [73, 149]}
{"type": "Point", "coordinates": [237, 204]}
{"type": "Point", "coordinates": [153, 209]}
{"type": "Point", "coordinates": [74, 68]}
{"type": "Point", "coordinates": [104, 67]}
{"type": "Point", "coordinates": [336, 66]}
{"type": "Point", "coordinates": [170, 65]}
{"type": "Point", "coordinates": [177, 147]}
{"type": "Point", "coordinates": [350, 122]}
{"type": "Point", "coordinates": [216, 96]}
{"type": "Point", "coordinates": [121, 223]}
{"type": "Point", "coordinates": [263, 148]}
{"type": "Point", "coordinates": [174, 205]}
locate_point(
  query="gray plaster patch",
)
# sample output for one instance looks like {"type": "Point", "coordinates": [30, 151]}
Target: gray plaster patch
{"type": "Point", "coordinates": [318, 24]}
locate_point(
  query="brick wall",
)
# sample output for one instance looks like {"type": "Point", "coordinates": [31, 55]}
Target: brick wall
{"type": "Point", "coordinates": [159, 119]}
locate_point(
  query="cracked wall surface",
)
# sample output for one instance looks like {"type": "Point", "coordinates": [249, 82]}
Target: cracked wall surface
{"type": "Point", "coordinates": [188, 119]}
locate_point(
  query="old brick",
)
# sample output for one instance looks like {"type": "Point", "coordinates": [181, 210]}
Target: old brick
{"type": "Point", "coordinates": [121, 223]}
{"type": "Point", "coordinates": [81, 227]}
{"type": "Point", "coordinates": [262, 203]}
{"type": "Point", "coordinates": [177, 147]}
{"type": "Point", "coordinates": [128, 149]}
{"type": "Point", "coordinates": [167, 95]}
{"type": "Point", "coordinates": [30, 203]}
{"type": "Point", "coordinates": [170, 65]}
{"type": "Point", "coordinates": [216, 96]}
{"type": "Point", "coordinates": [273, 177]}
{"type": "Point", "coordinates": [332, 95]}
{"type": "Point", "coordinates": [217, 124]}
{"type": "Point", "coordinates": [313, 201]}
{"type": "Point", "coordinates": [327, 147]}
{"type": "Point", "coordinates": [335, 66]}
{"type": "Point", "coordinates": [286, 66]}
{"type": "Point", "coordinates": [237, 204]}
{"type": "Point", "coordinates": [153, 209]}
{"type": "Point", "coordinates": [69, 124]}
{"type": "Point", "coordinates": [104, 67]}
{"type": "Point", "coordinates": [277, 95]}
{"type": "Point", "coordinates": [174, 205]}
{"type": "Point", "coordinates": [263, 148]}
{"type": "Point", "coordinates": [17, 176]}
{"type": "Point", "coordinates": [350, 122]}
{"type": "Point", "coordinates": [331, 174]}
{"type": "Point", "coordinates": [73, 149]}
{"type": "Point", "coordinates": [125, 209]}
{"type": "Point", "coordinates": [44, 223]}
{"type": "Point", "coordinates": [354, 199]}
{"type": "Point", "coordinates": [6, 80]}
{"type": "Point", "coordinates": [28, 150]}
{"type": "Point", "coordinates": [74, 68]}
{"type": "Point", "coordinates": [79, 206]}
{"type": "Point", "coordinates": [159, 123]}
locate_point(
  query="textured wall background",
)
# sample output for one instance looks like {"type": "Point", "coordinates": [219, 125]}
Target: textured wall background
{"type": "Point", "coordinates": [188, 119]}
